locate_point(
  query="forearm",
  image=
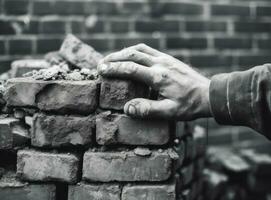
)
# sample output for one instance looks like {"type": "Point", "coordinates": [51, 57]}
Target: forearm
{"type": "Point", "coordinates": [243, 98]}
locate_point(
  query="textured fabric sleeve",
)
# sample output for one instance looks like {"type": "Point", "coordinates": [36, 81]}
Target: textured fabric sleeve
{"type": "Point", "coordinates": [243, 98]}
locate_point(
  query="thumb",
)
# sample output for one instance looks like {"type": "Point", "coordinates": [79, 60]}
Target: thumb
{"type": "Point", "coordinates": [145, 108]}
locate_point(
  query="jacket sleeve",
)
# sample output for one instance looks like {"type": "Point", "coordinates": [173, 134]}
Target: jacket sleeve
{"type": "Point", "coordinates": [243, 98]}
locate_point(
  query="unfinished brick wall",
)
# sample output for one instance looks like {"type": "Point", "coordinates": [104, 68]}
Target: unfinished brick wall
{"type": "Point", "coordinates": [221, 35]}
{"type": "Point", "coordinates": [69, 139]}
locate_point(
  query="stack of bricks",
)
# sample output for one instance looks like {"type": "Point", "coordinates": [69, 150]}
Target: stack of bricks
{"type": "Point", "coordinates": [71, 140]}
{"type": "Point", "coordinates": [241, 174]}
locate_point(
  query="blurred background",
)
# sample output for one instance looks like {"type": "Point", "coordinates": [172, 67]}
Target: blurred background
{"type": "Point", "coordinates": [214, 36]}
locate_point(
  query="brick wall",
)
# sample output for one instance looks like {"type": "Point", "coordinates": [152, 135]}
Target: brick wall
{"type": "Point", "coordinates": [219, 36]}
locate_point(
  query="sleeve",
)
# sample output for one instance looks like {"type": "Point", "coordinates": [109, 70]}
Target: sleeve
{"type": "Point", "coordinates": [243, 98]}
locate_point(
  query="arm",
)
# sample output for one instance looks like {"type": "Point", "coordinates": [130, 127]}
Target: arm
{"type": "Point", "coordinates": [243, 98]}
{"type": "Point", "coordinates": [238, 98]}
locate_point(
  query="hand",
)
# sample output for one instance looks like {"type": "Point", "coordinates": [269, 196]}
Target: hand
{"type": "Point", "coordinates": [185, 92]}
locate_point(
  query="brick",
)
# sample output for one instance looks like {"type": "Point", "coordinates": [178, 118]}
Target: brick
{"type": "Point", "coordinates": [53, 26]}
{"type": "Point", "coordinates": [183, 129]}
{"type": "Point", "coordinates": [69, 7]}
{"type": "Point", "coordinates": [45, 45]}
{"type": "Point", "coordinates": [186, 174]}
{"type": "Point", "coordinates": [59, 96]}
{"type": "Point", "coordinates": [2, 47]}
{"type": "Point", "coordinates": [20, 67]}
{"type": "Point", "coordinates": [16, 7]}
{"type": "Point", "coordinates": [230, 10]}
{"type": "Point", "coordinates": [148, 192]}
{"type": "Point", "coordinates": [127, 166]}
{"type": "Point", "coordinates": [6, 28]}
{"type": "Point", "coordinates": [79, 54]}
{"type": "Point", "coordinates": [120, 43]}
{"type": "Point", "coordinates": [115, 93]}
{"type": "Point", "coordinates": [121, 129]}
{"type": "Point", "coordinates": [186, 43]}
{"type": "Point", "coordinates": [212, 60]}
{"type": "Point", "coordinates": [181, 8]}
{"type": "Point", "coordinates": [263, 11]}
{"type": "Point", "coordinates": [101, 7]}
{"type": "Point", "coordinates": [13, 189]}
{"type": "Point", "coordinates": [233, 43]}
{"type": "Point", "coordinates": [43, 7]}
{"type": "Point", "coordinates": [94, 191]}
{"type": "Point", "coordinates": [33, 27]}
{"type": "Point", "coordinates": [44, 166]}
{"type": "Point", "coordinates": [100, 44]}
{"type": "Point", "coordinates": [20, 46]}
{"type": "Point", "coordinates": [264, 44]}
{"type": "Point", "coordinates": [180, 150]}
{"type": "Point", "coordinates": [119, 26]}
{"type": "Point", "coordinates": [56, 131]}
{"type": "Point", "coordinates": [77, 26]}
{"type": "Point", "coordinates": [253, 60]}
{"type": "Point", "coordinates": [93, 25]}
{"type": "Point", "coordinates": [147, 26]}
{"type": "Point", "coordinates": [133, 8]}
{"type": "Point", "coordinates": [205, 26]}
{"type": "Point", "coordinates": [252, 27]}
{"type": "Point", "coordinates": [12, 133]}
{"type": "Point", "coordinates": [200, 139]}
{"type": "Point", "coordinates": [5, 64]}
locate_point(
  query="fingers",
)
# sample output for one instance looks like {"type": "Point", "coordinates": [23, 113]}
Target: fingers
{"type": "Point", "coordinates": [146, 49]}
{"type": "Point", "coordinates": [127, 70]}
{"type": "Point", "coordinates": [145, 108]}
{"type": "Point", "coordinates": [130, 54]}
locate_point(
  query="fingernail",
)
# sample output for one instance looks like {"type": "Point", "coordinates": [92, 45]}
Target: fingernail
{"type": "Point", "coordinates": [131, 109]}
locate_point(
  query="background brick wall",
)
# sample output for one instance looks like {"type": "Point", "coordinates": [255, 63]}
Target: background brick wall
{"type": "Point", "coordinates": [212, 35]}
{"type": "Point", "coordinates": [216, 35]}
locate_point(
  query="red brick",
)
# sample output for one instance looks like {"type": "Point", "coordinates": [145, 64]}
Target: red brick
{"type": "Point", "coordinates": [6, 27]}
{"type": "Point", "coordinates": [69, 7]}
{"type": "Point", "coordinates": [100, 44]}
{"type": "Point", "coordinates": [12, 133]}
{"type": "Point", "coordinates": [264, 44]}
{"type": "Point", "coordinates": [205, 26]}
{"type": "Point", "coordinates": [127, 166]}
{"type": "Point", "coordinates": [43, 7]}
{"type": "Point", "coordinates": [230, 10]}
{"type": "Point", "coordinates": [58, 96]}
{"type": "Point", "coordinates": [33, 27]}
{"type": "Point", "coordinates": [115, 93]}
{"type": "Point", "coordinates": [147, 26]}
{"type": "Point", "coordinates": [263, 11]}
{"type": "Point", "coordinates": [94, 191]}
{"type": "Point", "coordinates": [20, 46]}
{"type": "Point", "coordinates": [53, 26]}
{"type": "Point", "coordinates": [211, 60]}
{"type": "Point", "coordinates": [77, 26]}
{"type": "Point", "coordinates": [78, 53]}
{"type": "Point", "coordinates": [233, 43]}
{"type": "Point", "coordinates": [13, 189]}
{"type": "Point", "coordinates": [252, 27]}
{"type": "Point", "coordinates": [45, 45]}
{"type": "Point", "coordinates": [133, 7]}
{"type": "Point", "coordinates": [100, 7]}
{"type": "Point", "coordinates": [119, 26]}
{"type": "Point", "coordinates": [20, 67]}
{"type": "Point", "coordinates": [121, 129]}
{"type": "Point", "coordinates": [122, 42]}
{"type": "Point", "coordinates": [252, 60]}
{"type": "Point", "coordinates": [55, 131]}
{"type": "Point", "coordinates": [96, 27]}
{"type": "Point", "coordinates": [186, 43]}
{"type": "Point", "coordinates": [45, 166]}
{"type": "Point", "coordinates": [16, 7]}
{"type": "Point", "coordinates": [181, 8]}
{"type": "Point", "coordinates": [157, 192]}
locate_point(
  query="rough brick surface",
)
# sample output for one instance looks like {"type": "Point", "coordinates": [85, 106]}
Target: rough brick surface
{"type": "Point", "coordinates": [57, 130]}
{"type": "Point", "coordinates": [127, 166]}
{"type": "Point", "coordinates": [10, 189]}
{"type": "Point", "coordinates": [149, 192]}
{"type": "Point", "coordinates": [94, 191]}
{"type": "Point", "coordinates": [12, 133]}
{"type": "Point", "coordinates": [115, 93]}
{"type": "Point", "coordinates": [58, 96]}
{"type": "Point", "coordinates": [20, 67]}
{"type": "Point", "coordinates": [79, 54]}
{"type": "Point", "coordinates": [122, 129]}
{"type": "Point", "coordinates": [43, 166]}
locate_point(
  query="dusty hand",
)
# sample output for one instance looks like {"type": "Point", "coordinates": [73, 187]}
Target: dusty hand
{"type": "Point", "coordinates": [185, 92]}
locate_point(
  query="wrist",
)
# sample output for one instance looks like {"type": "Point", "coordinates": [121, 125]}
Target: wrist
{"type": "Point", "coordinates": [205, 99]}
